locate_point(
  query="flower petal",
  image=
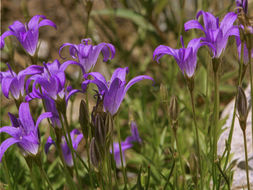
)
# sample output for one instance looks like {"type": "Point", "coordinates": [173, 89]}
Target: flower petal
{"type": "Point", "coordinates": [137, 79]}
{"type": "Point", "coordinates": [119, 73]}
{"type": "Point", "coordinates": [193, 24]}
{"type": "Point", "coordinates": [3, 36]}
{"type": "Point", "coordinates": [25, 117]}
{"type": "Point", "coordinates": [34, 22]}
{"type": "Point", "coordinates": [48, 144]}
{"type": "Point", "coordinates": [31, 70]}
{"type": "Point", "coordinates": [13, 131]}
{"type": "Point", "coordinates": [6, 84]}
{"type": "Point", "coordinates": [70, 62]}
{"type": "Point", "coordinates": [210, 22]}
{"type": "Point", "coordinates": [228, 22]}
{"type": "Point", "coordinates": [161, 50]}
{"type": "Point", "coordinates": [47, 22]}
{"type": "Point", "coordinates": [5, 145]}
{"type": "Point", "coordinates": [99, 80]}
{"type": "Point", "coordinates": [43, 116]}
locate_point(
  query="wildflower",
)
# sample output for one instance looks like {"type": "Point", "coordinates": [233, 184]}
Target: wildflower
{"type": "Point", "coordinates": [114, 91]}
{"type": "Point", "coordinates": [27, 34]}
{"type": "Point", "coordinates": [87, 54]}
{"type": "Point", "coordinates": [186, 58]}
{"type": "Point", "coordinates": [127, 144]}
{"type": "Point", "coordinates": [242, 4]}
{"type": "Point", "coordinates": [216, 33]}
{"type": "Point", "coordinates": [245, 50]}
{"type": "Point", "coordinates": [52, 83]}
{"type": "Point", "coordinates": [23, 131]}
{"type": "Point", "coordinates": [75, 136]}
{"type": "Point", "coordinates": [14, 83]}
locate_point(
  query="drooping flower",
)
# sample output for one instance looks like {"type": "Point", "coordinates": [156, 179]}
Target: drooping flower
{"type": "Point", "coordinates": [14, 83]}
{"type": "Point", "coordinates": [127, 144]}
{"type": "Point", "coordinates": [186, 58]}
{"type": "Point", "coordinates": [23, 132]}
{"type": "Point", "coordinates": [243, 4]}
{"type": "Point", "coordinates": [51, 81]}
{"type": "Point", "coordinates": [216, 33]}
{"type": "Point", "coordinates": [87, 54]}
{"type": "Point", "coordinates": [27, 34]}
{"type": "Point", "coordinates": [113, 91]}
{"type": "Point", "coordinates": [76, 137]}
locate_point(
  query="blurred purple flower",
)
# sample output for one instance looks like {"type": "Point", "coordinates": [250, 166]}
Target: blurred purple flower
{"type": "Point", "coordinates": [113, 91]}
{"type": "Point", "coordinates": [23, 131]}
{"type": "Point", "coordinates": [245, 51]}
{"type": "Point", "coordinates": [243, 4]}
{"type": "Point", "coordinates": [27, 34]}
{"type": "Point", "coordinates": [13, 83]}
{"type": "Point", "coordinates": [50, 106]}
{"type": "Point", "coordinates": [186, 58]}
{"type": "Point", "coordinates": [76, 137]}
{"type": "Point", "coordinates": [127, 144]}
{"type": "Point", "coordinates": [51, 81]}
{"type": "Point", "coordinates": [215, 33]}
{"type": "Point", "coordinates": [87, 54]}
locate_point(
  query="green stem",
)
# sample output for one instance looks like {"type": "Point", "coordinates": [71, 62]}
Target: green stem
{"type": "Point", "coordinates": [197, 137]}
{"type": "Point", "coordinates": [34, 180]}
{"type": "Point", "coordinates": [46, 177]}
{"type": "Point", "coordinates": [121, 158]}
{"type": "Point", "coordinates": [7, 174]}
{"type": "Point", "coordinates": [114, 167]}
{"type": "Point", "coordinates": [251, 93]}
{"type": "Point", "coordinates": [246, 158]}
{"type": "Point", "coordinates": [180, 158]}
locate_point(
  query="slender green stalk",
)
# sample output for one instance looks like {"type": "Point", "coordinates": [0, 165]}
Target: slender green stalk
{"type": "Point", "coordinates": [109, 171]}
{"type": "Point", "coordinates": [45, 177]}
{"type": "Point", "coordinates": [197, 137]}
{"type": "Point", "coordinates": [251, 93]}
{"type": "Point", "coordinates": [121, 158]}
{"type": "Point", "coordinates": [180, 159]}
{"type": "Point", "coordinates": [114, 167]}
{"type": "Point", "coordinates": [246, 158]}
{"type": "Point", "coordinates": [34, 180]}
{"type": "Point", "coordinates": [7, 174]}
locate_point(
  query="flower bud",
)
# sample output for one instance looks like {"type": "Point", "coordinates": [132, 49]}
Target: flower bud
{"type": "Point", "coordinates": [164, 93]}
{"type": "Point", "coordinates": [241, 104]}
{"type": "Point", "coordinates": [173, 110]}
{"type": "Point", "coordinates": [94, 153]}
{"type": "Point", "coordinates": [84, 118]}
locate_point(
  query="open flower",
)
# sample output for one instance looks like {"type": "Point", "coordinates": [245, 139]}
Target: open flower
{"type": "Point", "coordinates": [127, 144]}
{"type": "Point", "coordinates": [27, 34]}
{"type": "Point", "coordinates": [87, 54]}
{"type": "Point", "coordinates": [14, 83]}
{"type": "Point", "coordinates": [113, 91]}
{"type": "Point", "coordinates": [76, 137]}
{"type": "Point", "coordinates": [23, 131]}
{"type": "Point", "coordinates": [186, 58]}
{"type": "Point", "coordinates": [52, 83]}
{"type": "Point", "coordinates": [216, 33]}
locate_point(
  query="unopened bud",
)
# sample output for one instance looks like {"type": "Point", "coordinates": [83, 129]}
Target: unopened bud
{"type": "Point", "coordinates": [84, 118]}
{"type": "Point", "coordinates": [163, 93]}
{"type": "Point", "coordinates": [94, 153]}
{"type": "Point", "coordinates": [241, 104]}
{"type": "Point", "coordinates": [173, 109]}
{"type": "Point", "coordinates": [100, 133]}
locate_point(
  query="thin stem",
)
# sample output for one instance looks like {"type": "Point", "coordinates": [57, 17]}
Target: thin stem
{"type": "Point", "coordinates": [34, 180]}
{"type": "Point", "coordinates": [180, 159]}
{"type": "Point", "coordinates": [7, 174]}
{"type": "Point", "coordinates": [197, 138]}
{"type": "Point", "coordinates": [46, 177]}
{"type": "Point", "coordinates": [114, 167]}
{"type": "Point", "coordinates": [121, 158]}
{"type": "Point", "coordinates": [251, 93]}
{"type": "Point", "coordinates": [246, 158]}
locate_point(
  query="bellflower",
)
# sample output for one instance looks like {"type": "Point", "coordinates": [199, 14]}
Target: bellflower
{"type": "Point", "coordinates": [23, 132]}
{"type": "Point", "coordinates": [14, 83]}
{"type": "Point", "coordinates": [216, 33]}
{"type": "Point", "coordinates": [50, 106]}
{"type": "Point", "coordinates": [113, 91]}
{"type": "Point", "coordinates": [186, 58]}
{"type": "Point", "coordinates": [27, 34]}
{"type": "Point", "coordinates": [87, 54]}
{"type": "Point", "coordinates": [127, 144]}
{"type": "Point", "coordinates": [51, 81]}
{"type": "Point", "coordinates": [76, 137]}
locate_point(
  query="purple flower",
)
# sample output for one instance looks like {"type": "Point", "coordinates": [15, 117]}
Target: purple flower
{"type": "Point", "coordinates": [127, 144]}
{"type": "Point", "coordinates": [113, 91]}
{"type": "Point", "coordinates": [243, 4]}
{"type": "Point", "coordinates": [87, 54]}
{"type": "Point", "coordinates": [245, 51]}
{"type": "Point", "coordinates": [215, 33]}
{"type": "Point", "coordinates": [76, 137]}
{"type": "Point", "coordinates": [27, 34]}
{"type": "Point", "coordinates": [186, 58]}
{"type": "Point", "coordinates": [23, 131]}
{"type": "Point", "coordinates": [50, 106]}
{"type": "Point", "coordinates": [14, 83]}
{"type": "Point", "coordinates": [51, 81]}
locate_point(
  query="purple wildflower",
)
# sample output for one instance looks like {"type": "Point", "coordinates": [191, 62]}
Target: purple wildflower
{"type": "Point", "coordinates": [50, 106]}
{"type": "Point", "coordinates": [76, 137]}
{"type": "Point", "coordinates": [27, 34]}
{"type": "Point", "coordinates": [52, 83]}
{"type": "Point", "coordinates": [113, 91]}
{"type": "Point", "coordinates": [216, 33]}
{"type": "Point", "coordinates": [186, 58]}
{"type": "Point", "coordinates": [87, 54]}
{"type": "Point", "coordinates": [245, 51]}
{"type": "Point", "coordinates": [14, 83]}
{"type": "Point", "coordinates": [127, 144]}
{"type": "Point", "coordinates": [23, 131]}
